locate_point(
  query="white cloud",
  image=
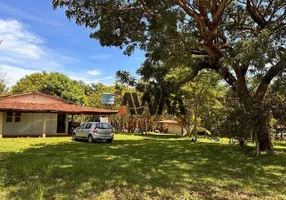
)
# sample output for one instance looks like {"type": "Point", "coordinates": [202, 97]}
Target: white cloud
{"type": "Point", "coordinates": [17, 41]}
{"type": "Point", "coordinates": [94, 72]}
{"type": "Point", "coordinates": [101, 56]}
{"type": "Point", "coordinates": [13, 74]}
{"type": "Point", "coordinates": [23, 52]}
{"type": "Point", "coordinates": [106, 78]}
{"type": "Point", "coordinates": [90, 79]}
{"type": "Point", "coordinates": [21, 47]}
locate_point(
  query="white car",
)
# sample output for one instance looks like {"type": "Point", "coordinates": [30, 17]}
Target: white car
{"type": "Point", "coordinates": [94, 131]}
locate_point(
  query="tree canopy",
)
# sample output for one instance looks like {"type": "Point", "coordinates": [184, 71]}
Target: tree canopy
{"type": "Point", "coordinates": [54, 84]}
{"type": "Point", "coordinates": [237, 39]}
{"type": "Point", "coordinates": [57, 84]}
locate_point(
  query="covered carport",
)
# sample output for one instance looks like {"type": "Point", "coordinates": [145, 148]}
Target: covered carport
{"type": "Point", "coordinates": [21, 119]}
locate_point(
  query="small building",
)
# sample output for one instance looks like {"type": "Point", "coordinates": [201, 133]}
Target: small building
{"type": "Point", "coordinates": [35, 114]}
{"type": "Point", "coordinates": [170, 126]}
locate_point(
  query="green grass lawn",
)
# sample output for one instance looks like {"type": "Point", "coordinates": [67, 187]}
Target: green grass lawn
{"type": "Point", "coordinates": [138, 167]}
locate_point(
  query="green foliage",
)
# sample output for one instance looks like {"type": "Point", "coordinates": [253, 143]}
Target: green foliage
{"type": "Point", "coordinates": [30, 83]}
{"type": "Point", "coordinates": [54, 84]}
{"type": "Point", "coordinates": [169, 31]}
{"type": "Point", "coordinates": [234, 122]}
{"type": "Point", "coordinates": [57, 84]}
{"type": "Point", "coordinates": [3, 86]}
{"type": "Point", "coordinates": [94, 98]}
{"type": "Point", "coordinates": [279, 86]}
{"type": "Point", "coordinates": [278, 104]}
{"type": "Point", "coordinates": [237, 39]}
{"type": "Point", "coordinates": [202, 99]}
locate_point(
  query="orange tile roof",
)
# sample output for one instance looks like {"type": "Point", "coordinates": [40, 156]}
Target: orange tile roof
{"type": "Point", "coordinates": [66, 108]}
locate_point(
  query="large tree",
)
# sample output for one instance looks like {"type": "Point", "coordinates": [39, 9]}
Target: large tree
{"type": "Point", "coordinates": [54, 84]}
{"type": "Point", "coordinates": [236, 38]}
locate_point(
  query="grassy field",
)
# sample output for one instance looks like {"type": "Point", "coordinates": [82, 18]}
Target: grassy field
{"type": "Point", "coordinates": [138, 167]}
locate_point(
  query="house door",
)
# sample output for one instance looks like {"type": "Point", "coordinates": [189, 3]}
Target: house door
{"type": "Point", "coordinates": [61, 123]}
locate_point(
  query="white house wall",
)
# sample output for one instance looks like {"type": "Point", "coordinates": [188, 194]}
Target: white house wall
{"type": "Point", "coordinates": [52, 121]}
{"type": "Point", "coordinates": [31, 124]}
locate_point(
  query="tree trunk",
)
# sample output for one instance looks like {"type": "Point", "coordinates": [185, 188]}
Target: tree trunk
{"type": "Point", "coordinates": [260, 122]}
{"type": "Point", "coordinates": [263, 136]}
{"type": "Point", "coordinates": [195, 127]}
{"type": "Point", "coordinates": [242, 142]}
{"type": "Point", "coordinates": [262, 128]}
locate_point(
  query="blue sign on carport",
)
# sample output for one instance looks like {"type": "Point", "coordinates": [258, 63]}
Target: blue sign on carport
{"type": "Point", "coordinates": [107, 98]}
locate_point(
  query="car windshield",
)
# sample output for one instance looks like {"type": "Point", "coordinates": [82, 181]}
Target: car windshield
{"type": "Point", "coordinates": [106, 126]}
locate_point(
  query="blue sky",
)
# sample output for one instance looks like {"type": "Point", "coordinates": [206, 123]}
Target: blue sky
{"type": "Point", "coordinates": [36, 37]}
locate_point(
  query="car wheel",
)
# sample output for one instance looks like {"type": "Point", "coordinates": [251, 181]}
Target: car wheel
{"type": "Point", "coordinates": [109, 141]}
{"type": "Point", "coordinates": [74, 137]}
{"type": "Point", "coordinates": [90, 139]}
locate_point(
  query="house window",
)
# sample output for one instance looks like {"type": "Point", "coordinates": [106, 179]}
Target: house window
{"type": "Point", "coordinates": [9, 117]}
{"type": "Point", "coordinates": [18, 117]}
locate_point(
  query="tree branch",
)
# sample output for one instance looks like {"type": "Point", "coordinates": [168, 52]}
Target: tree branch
{"type": "Point", "coordinates": [250, 29]}
{"type": "Point", "coordinates": [117, 9]}
{"type": "Point", "coordinates": [194, 73]}
{"type": "Point", "coordinates": [145, 9]}
{"type": "Point", "coordinates": [190, 50]}
{"type": "Point", "coordinates": [189, 11]}
{"type": "Point", "coordinates": [218, 14]}
{"type": "Point", "coordinates": [199, 52]}
{"type": "Point", "coordinates": [255, 14]}
{"type": "Point", "coordinates": [227, 76]}
{"type": "Point", "coordinates": [272, 72]}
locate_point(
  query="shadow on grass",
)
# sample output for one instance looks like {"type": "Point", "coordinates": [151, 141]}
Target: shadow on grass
{"type": "Point", "coordinates": [145, 168]}
{"type": "Point", "coordinates": [161, 136]}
